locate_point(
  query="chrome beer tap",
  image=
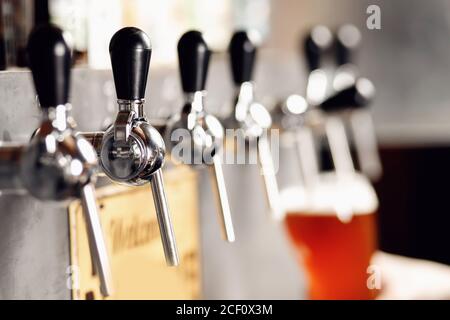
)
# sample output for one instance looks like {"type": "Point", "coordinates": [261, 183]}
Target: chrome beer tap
{"type": "Point", "coordinates": [313, 115]}
{"type": "Point", "coordinates": [355, 96]}
{"type": "Point", "coordinates": [359, 120]}
{"type": "Point", "coordinates": [299, 114]}
{"type": "Point", "coordinates": [57, 164]}
{"type": "Point", "coordinates": [194, 136]}
{"type": "Point", "coordinates": [317, 47]}
{"type": "Point", "coordinates": [251, 118]}
{"type": "Point", "coordinates": [132, 151]}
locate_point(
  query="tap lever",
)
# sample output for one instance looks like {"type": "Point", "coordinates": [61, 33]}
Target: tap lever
{"type": "Point", "coordinates": [193, 59]}
{"type": "Point", "coordinates": [340, 150]}
{"type": "Point", "coordinates": [50, 60]}
{"type": "Point", "coordinates": [307, 155]}
{"type": "Point", "coordinates": [365, 140]}
{"type": "Point", "coordinates": [164, 221]}
{"type": "Point", "coordinates": [130, 50]}
{"type": "Point", "coordinates": [221, 195]}
{"type": "Point", "coordinates": [243, 53]}
{"type": "Point", "coordinates": [96, 241]}
{"type": "Point", "coordinates": [270, 179]}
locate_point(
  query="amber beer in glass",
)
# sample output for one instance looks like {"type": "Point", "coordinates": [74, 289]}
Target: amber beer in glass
{"type": "Point", "coordinates": [334, 251]}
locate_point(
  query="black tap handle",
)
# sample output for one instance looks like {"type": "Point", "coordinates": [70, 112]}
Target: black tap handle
{"type": "Point", "coordinates": [242, 54]}
{"type": "Point", "coordinates": [315, 45]}
{"type": "Point", "coordinates": [130, 50]}
{"type": "Point", "coordinates": [50, 61]}
{"type": "Point", "coordinates": [193, 58]}
{"type": "Point", "coordinates": [348, 39]}
{"type": "Point", "coordinates": [355, 96]}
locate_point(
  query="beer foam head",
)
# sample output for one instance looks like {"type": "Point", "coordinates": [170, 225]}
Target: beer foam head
{"type": "Point", "coordinates": [331, 195]}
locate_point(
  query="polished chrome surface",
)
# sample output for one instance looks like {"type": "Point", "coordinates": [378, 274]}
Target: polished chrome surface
{"type": "Point", "coordinates": [360, 123]}
{"type": "Point", "coordinates": [339, 147]}
{"type": "Point", "coordinates": [196, 138]}
{"type": "Point", "coordinates": [307, 155]}
{"type": "Point", "coordinates": [164, 220]}
{"type": "Point", "coordinates": [58, 165]}
{"type": "Point", "coordinates": [253, 122]}
{"type": "Point", "coordinates": [132, 152]}
{"type": "Point", "coordinates": [220, 192]}
{"type": "Point", "coordinates": [269, 178]}
{"type": "Point", "coordinates": [134, 160]}
{"type": "Point", "coordinates": [132, 105]}
{"type": "Point", "coordinates": [195, 131]}
{"type": "Point", "coordinates": [123, 125]}
{"type": "Point", "coordinates": [248, 115]}
{"type": "Point", "coordinates": [97, 244]}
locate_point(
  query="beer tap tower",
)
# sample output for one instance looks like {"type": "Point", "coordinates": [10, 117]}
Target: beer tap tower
{"type": "Point", "coordinates": [251, 118]}
{"type": "Point", "coordinates": [57, 164]}
{"type": "Point", "coordinates": [194, 136]}
{"type": "Point", "coordinates": [132, 151]}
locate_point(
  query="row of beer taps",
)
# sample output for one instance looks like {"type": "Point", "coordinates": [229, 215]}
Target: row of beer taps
{"type": "Point", "coordinates": [334, 105]}
{"type": "Point", "coordinates": [60, 164]}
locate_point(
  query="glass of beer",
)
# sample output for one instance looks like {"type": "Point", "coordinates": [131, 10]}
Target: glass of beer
{"type": "Point", "coordinates": [333, 230]}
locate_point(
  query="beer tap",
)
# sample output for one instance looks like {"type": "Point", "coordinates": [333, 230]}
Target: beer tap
{"type": "Point", "coordinates": [348, 38]}
{"type": "Point", "coordinates": [194, 136]}
{"type": "Point", "coordinates": [57, 164]}
{"type": "Point", "coordinates": [356, 96]}
{"type": "Point", "coordinates": [324, 113]}
{"type": "Point", "coordinates": [317, 46]}
{"type": "Point", "coordinates": [299, 114]}
{"type": "Point", "coordinates": [250, 117]}
{"type": "Point", "coordinates": [132, 151]}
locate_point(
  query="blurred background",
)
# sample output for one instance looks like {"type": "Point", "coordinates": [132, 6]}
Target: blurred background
{"type": "Point", "coordinates": [407, 60]}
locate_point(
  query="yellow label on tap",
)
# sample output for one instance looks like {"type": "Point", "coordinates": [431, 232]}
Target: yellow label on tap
{"type": "Point", "coordinates": [132, 236]}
